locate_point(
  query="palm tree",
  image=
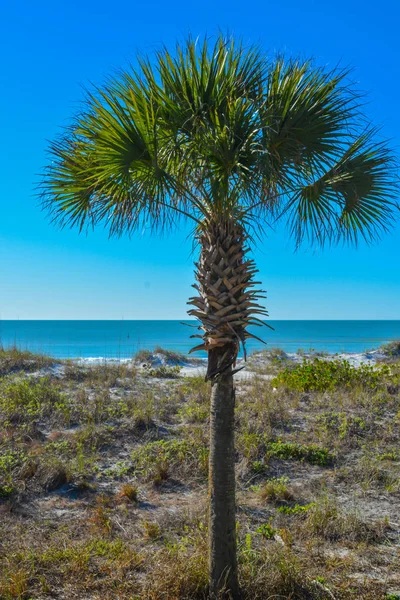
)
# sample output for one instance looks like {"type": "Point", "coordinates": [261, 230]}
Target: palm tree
{"type": "Point", "coordinates": [220, 136]}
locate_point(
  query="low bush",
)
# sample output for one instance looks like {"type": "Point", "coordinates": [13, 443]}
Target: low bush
{"type": "Point", "coordinates": [327, 375]}
{"type": "Point", "coordinates": [276, 490]}
{"type": "Point", "coordinates": [391, 348]}
{"type": "Point", "coordinates": [29, 400]}
{"type": "Point", "coordinates": [297, 509]}
{"type": "Point", "coordinates": [13, 360]}
{"type": "Point", "coordinates": [162, 372]}
{"type": "Point", "coordinates": [156, 460]}
{"type": "Point", "coordinates": [312, 454]}
{"type": "Point", "coordinates": [325, 519]}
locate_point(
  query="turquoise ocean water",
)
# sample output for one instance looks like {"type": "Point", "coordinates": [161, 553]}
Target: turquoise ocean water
{"type": "Point", "coordinates": [122, 339]}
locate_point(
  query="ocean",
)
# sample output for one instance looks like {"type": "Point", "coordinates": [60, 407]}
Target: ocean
{"type": "Point", "coordinates": [122, 339]}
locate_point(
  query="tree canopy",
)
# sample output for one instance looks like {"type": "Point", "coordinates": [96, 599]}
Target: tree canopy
{"type": "Point", "coordinates": [220, 131]}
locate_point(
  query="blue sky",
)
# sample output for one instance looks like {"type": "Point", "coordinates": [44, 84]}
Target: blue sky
{"type": "Point", "coordinates": [50, 49]}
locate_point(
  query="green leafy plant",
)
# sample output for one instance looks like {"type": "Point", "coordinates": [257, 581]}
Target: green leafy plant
{"type": "Point", "coordinates": [313, 454]}
{"type": "Point", "coordinates": [327, 375]}
{"type": "Point", "coordinates": [266, 530]}
{"type": "Point", "coordinates": [162, 372]}
{"type": "Point", "coordinates": [297, 509]}
{"type": "Point", "coordinates": [26, 400]}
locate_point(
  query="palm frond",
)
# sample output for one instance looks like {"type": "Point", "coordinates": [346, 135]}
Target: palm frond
{"type": "Point", "coordinates": [218, 131]}
{"type": "Point", "coordinates": [355, 198]}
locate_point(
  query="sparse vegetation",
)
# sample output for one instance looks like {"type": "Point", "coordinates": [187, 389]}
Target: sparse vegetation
{"type": "Point", "coordinates": [109, 468]}
{"type": "Point", "coordinates": [162, 372]}
{"type": "Point", "coordinates": [14, 359]}
{"type": "Point", "coordinates": [276, 490]}
{"type": "Point", "coordinates": [391, 349]}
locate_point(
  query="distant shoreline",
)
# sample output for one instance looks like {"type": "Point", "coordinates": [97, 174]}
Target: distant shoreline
{"type": "Point", "coordinates": [107, 340]}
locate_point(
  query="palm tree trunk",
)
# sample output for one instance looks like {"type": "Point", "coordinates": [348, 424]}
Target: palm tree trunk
{"type": "Point", "coordinates": [225, 306]}
{"type": "Point", "coordinates": [222, 522]}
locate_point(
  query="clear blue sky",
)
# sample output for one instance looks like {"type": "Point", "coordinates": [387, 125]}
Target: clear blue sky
{"type": "Point", "coordinates": [50, 49]}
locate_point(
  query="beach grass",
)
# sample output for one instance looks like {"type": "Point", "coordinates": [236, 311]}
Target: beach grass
{"type": "Point", "coordinates": [103, 481]}
{"type": "Point", "coordinates": [15, 359]}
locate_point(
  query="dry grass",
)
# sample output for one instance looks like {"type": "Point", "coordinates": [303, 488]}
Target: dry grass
{"type": "Point", "coordinates": [15, 359]}
{"type": "Point", "coordinates": [103, 487]}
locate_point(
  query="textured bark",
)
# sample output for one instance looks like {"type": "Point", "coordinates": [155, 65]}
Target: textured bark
{"type": "Point", "coordinates": [222, 521]}
{"type": "Point", "coordinates": [225, 306]}
{"type": "Point", "coordinates": [227, 302]}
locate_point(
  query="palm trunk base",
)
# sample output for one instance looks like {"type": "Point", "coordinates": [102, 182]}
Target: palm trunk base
{"type": "Point", "coordinates": [222, 522]}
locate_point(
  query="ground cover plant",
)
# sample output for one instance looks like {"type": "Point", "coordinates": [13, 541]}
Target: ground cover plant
{"type": "Point", "coordinates": [103, 486]}
{"type": "Point", "coordinates": [327, 375]}
{"type": "Point", "coordinates": [15, 359]}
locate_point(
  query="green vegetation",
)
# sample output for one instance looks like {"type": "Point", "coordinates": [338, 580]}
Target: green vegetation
{"type": "Point", "coordinates": [327, 375]}
{"type": "Point", "coordinates": [313, 454]}
{"type": "Point", "coordinates": [297, 509]}
{"type": "Point", "coordinates": [266, 530]}
{"type": "Point", "coordinates": [276, 490]}
{"type": "Point", "coordinates": [325, 519]}
{"type": "Point", "coordinates": [170, 357]}
{"type": "Point", "coordinates": [14, 359]}
{"type": "Point", "coordinates": [228, 140]}
{"type": "Point", "coordinates": [392, 349]}
{"type": "Point", "coordinates": [157, 460]}
{"type": "Point", "coordinates": [27, 401]}
{"type": "Point", "coordinates": [110, 470]}
{"type": "Point", "coordinates": [162, 372]}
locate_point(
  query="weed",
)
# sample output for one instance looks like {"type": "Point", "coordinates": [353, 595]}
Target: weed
{"type": "Point", "coordinates": [129, 491]}
{"type": "Point", "coordinates": [163, 372]}
{"type": "Point", "coordinates": [326, 520]}
{"type": "Point", "coordinates": [297, 509]}
{"type": "Point", "coordinates": [391, 348]}
{"type": "Point", "coordinates": [14, 359]}
{"type": "Point", "coordinates": [156, 459]}
{"type": "Point", "coordinates": [144, 356]}
{"type": "Point", "coordinates": [313, 454]}
{"type": "Point", "coordinates": [259, 467]}
{"type": "Point", "coordinates": [28, 400]}
{"type": "Point", "coordinates": [193, 413]}
{"type": "Point", "coordinates": [391, 455]}
{"type": "Point", "coordinates": [266, 530]}
{"type": "Point", "coordinates": [276, 490]}
{"type": "Point", "coordinates": [152, 530]}
{"type": "Point", "coordinates": [342, 426]}
{"type": "Point", "coordinates": [277, 354]}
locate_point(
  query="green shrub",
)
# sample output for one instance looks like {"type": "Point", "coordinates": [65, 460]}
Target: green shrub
{"type": "Point", "coordinates": [26, 400]}
{"type": "Point", "coordinates": [11, 462]}
{"type": "Point", "coordinates": [259, 467]}
{"type": "Point", "coordinates": [13, 359]}
{"type": "Point", "coordinates": [312, 454]}
{"type": "Point", "coordinates": [266, 530]}
{"type": "Point", "coordinates": [193, 413]}
{"type": "Point", "coordinates": [162, 372]}
{"type": "Point", "coordinates": [327, 375]}
{"type": "Point", "coordinates": [156, 459]}
{"type": "Point", "coordinates": [297, 509]}
{"type": "Point", "coordinates": [392, 349]}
